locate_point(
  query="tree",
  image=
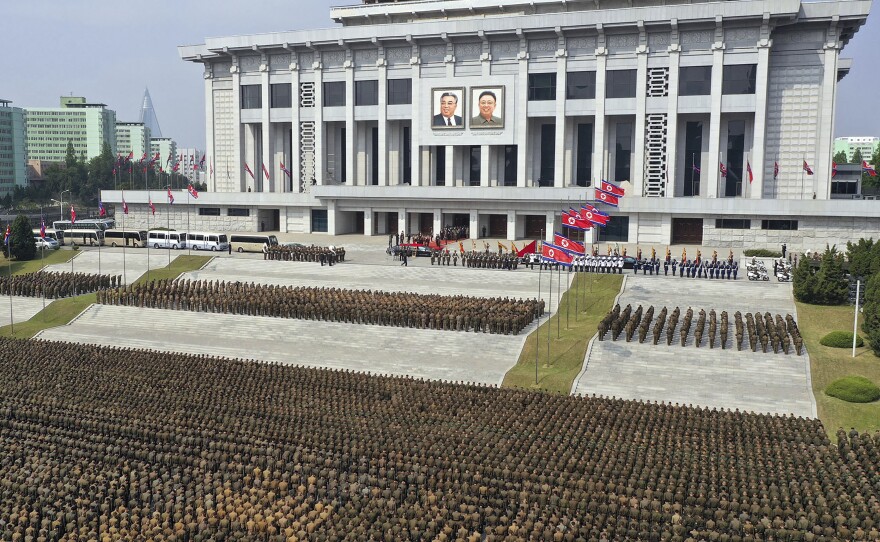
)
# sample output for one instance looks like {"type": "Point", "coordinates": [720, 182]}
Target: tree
{"type": "Point", "coordinates": [867, 180]}
{"type": "Point", "coordinates": [840, 157]}
{"type": "Point", "coordinates": [857, 157]}
{"type": "Point", "coordinates": [21, 242]}
{"type": "Point", "coordinates": [804, 282]}
{"type": "Point", "coordinates": [831, 287]}
{"type": "Point", "coordinates": [860, 256]}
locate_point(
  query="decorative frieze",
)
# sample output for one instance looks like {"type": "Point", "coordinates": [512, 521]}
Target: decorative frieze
{"type": "Point", "coordinates": [468, 51]}
{"type": "Point", "coordinates": [398, 55]}
{"type": "Point", "coordinates": [306, 59]}
{"type": "Point", "coordinates": [250, 63]}
{"type": "Point", "coordinates": [222, 69]}
{"type": "Point", "coordinates": [432, 53]}
{"type": "Point", "coordinates": [333, 59]}
{"type": "Point", "coordinates": [622, 43]}
{"type": "Point", "coordinates": [504, 49]}
{"type": "Point", "coordinates": [695, 39]}
{"type": "Point", "coordinates": [279, 62]}
{"type": "Point", "coordinates": [542, 47]}
{"type": "Point", "coordinates": [658, 40]}
{"type": "Point", "coordinates": [741, 37]}
{"type": "Point", "coordinates": [366, 57]}
{"type": "Point", "coordinates": [582, 45]}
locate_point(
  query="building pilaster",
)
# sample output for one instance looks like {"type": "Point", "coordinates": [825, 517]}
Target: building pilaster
{"type": "Point", "coordinates": [559, 178]}
{"type": "Point", "coordinates": [521, 114]}
{"type": "Point", "coordinates": [715, 159]}
{"type": "Point", "coordinates": [266, 137]}
{"type": "Point", "coordinates": [674, 51]}
{"type": "Point", "coordinates": [599, 143]}
{"type": "Point", "coordinates": [759, 156]}
{"type": "Point", "coordinates": [638, 170]}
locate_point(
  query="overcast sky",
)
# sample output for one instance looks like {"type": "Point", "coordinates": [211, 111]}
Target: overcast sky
{"type": "Point", "coordinates": [109, 51]}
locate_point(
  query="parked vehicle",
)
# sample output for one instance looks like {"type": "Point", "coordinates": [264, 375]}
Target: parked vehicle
{"type": "Point", "coordinates": [251, 242]}
{"type": "Point", "coordinates": [126, 238]}
{"type": "Point", "coordinates": [207, 241]}
{"type": "Point", "coordinates": [166, 239]}
{"type": "Point", "coordinates": [46, 243]}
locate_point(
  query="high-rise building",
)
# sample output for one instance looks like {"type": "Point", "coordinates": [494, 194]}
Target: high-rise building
{"type": "Point", "coordinates": [134, 138]}
{"type": "Point", "coordinates": [88, 126]}
{"type": "Point", "coordinates": [13, 148]}
{"type": "Point", "coordinates": [148, 115]}
{"type": "Point", "coordinates": [167, 149]}
{"type": "Point", "coordinates": [191, 164]}
{"type": "Point", "coordinates": [865, 145]}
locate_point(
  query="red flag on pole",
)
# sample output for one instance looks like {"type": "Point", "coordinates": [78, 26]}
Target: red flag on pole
{"type": "Point", "coordinates": [124, 205]}
{"type": "Point", "coordinates": [723, 169]}
{"type": "Point", "coordinates": [775, 170]}
{"type": "Point", "coordinates": [749, 169]}
{"type": "Point", "coordinates": [567, 244]}
{"type": "Point", "coordinates": [152, 207]}
{"type": "Point", "coordinates": [248, 169]}
{"type": "Point", "coordinates": [193, 192]}
{"type": "Point", "coordinates": [72, 215]}
{"type": "Point", "coordinates": [557, 254]}
{"type": "Point", "coordinates": [807, 168]}
{"type": "Point", "coordinates": [612, 188]}
{"type": "Point", "coordinates": [265, 171]}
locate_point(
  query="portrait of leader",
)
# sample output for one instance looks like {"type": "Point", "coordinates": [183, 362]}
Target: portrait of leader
{"type": "Point", "coordinates": [448, 104]}
{"type": "Point", "coordinates": [487, 110]}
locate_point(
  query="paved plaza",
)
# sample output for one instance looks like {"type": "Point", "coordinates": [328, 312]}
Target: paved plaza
{"type": "Point", "coordinates": [128, 263]}
{"type": "Point", "coordinates": [22, 309]}
{"type": "Point", "coordinates": [751, 381]}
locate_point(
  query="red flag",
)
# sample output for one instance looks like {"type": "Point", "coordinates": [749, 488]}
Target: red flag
{"type": "Point", "coordinates": [285, 170]}
{"type": "Point", "coordinates": [101, 210]}
{"type": "Point", "coordinates": [606, 198]}
{"type": "Point", "coordinates": [152, 207]}
{"type": "Point", "coordinates": [531, 248]}
{"type": "Point", "coordinates": [595, 218]}
{"type": "Point", "coordinates": [833, 169]}
{"type": "Point", "coordinates": [202, 161]}
{"type": "Point", "coordinates": [176, 167]}
{"type": "Point", "coordinates": [749, 169]}
{"type": "Point", "coordinates": [8, 233]}
{"type": "Point", "coordinates": [170, 197]}
{"type": "Point", "coordinates": [775, 170]}
{"type": "Point", "coordinates": [807, 168]}
{"type": "Point", "coordinates": [575, 221]}
{"type": "Point", "coordinates": [131, 155]}
{"type": "Point", "coordinates": [612, 188]}
{"type": "Point", "coordinates": [248, 169]}
{"type": "Point", "coordinates": [869, 169]}
{"type": "Point", "coordinates": [144, 157]}
{"type": "Point", "coordinates": [723, 169]}
{"type": "Point", "coordinates": [265, 172]}
{"type": "Point", "coordinates": [568, 244]}
{"type": "Point", "coordinates": [124, 205]}
{"type": "Point", "coordinates": [192, 191]}
{"type": "Point", "coordinates": [72, 215]}
{"type": "Point", "coordinates": [557, 254]}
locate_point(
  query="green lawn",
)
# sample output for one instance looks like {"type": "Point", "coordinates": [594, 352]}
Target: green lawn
{"type": "Point", "coordinates": [828, 364]}
{"type": "Point", "coordinates": [61, 311]}
{"type": "Point", "coordinates": [50, 257]}
{"type": "Point", "coordinates": [567, 351]}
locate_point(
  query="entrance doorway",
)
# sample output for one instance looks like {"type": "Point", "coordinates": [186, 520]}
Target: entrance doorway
{"type": "Point", "coordinates": [687, 231]}
{"type": "Point", "coordinates": [534, 226]}
{"type": "Point", "coordinates": [498, 226]}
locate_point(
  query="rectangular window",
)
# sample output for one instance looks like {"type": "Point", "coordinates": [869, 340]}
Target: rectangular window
{"type": "Point", "coordinates": [548, 155]}
{"type": "Point", "coordinates": [251, 97]}
{"type": "Point", "coordinates": [620, 84]}
{"type": "Point", "coordinates": [736, 138]}
{"type": "Point", "coordinates": [787, 225]}
{"type": "Point", "coordinates": [334, 94]}
{"type": "Point", "coordinates": [580, 86]}
{"type": "Point", "coordinates": [584, 154]}
{"type": "Point", "coordinates": [319, 220]}
{"type": "Point", "coordinates": [407, 156]}
{"type": "Point", "coordinates": [510, 158]}
{"type": "Point", "coordinates": [475, 165]}
{"type": "Point", "coordinates": [542, 86]}
{"type": "Point", "coordinates": [374, 156]}
{"type": "Point", "coordinates": [343, 163]}
{"type": "Point", "coordinates": [617, 230]}
{"type": "Point", "coordinates": [209, 211]}
{"type": "Point", "coordinates": [693, 150]}
{"type": "Point", "coordinates": [739, 79]}
{"type": "Point", "coordinates": [733, 224]}
{"type": "Point", "coordinates": [440, 166]}
{"type": "Point", "coordinates": [238, 211]}
{"type": "Point", "coordinates": [279, 95]}
{"type": "Point", "coordinates": [844, 187]}
{"type": "Point", "coordinates": [623, 151]}
{"type": "Point", "coordinates": [695, 81]}
{"type": "Point", "coordinates": [399, 91]}
{"type": "Point", "coordinates": [366, 92]}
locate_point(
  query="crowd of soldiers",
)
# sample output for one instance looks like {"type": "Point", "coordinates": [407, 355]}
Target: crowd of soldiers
{"type": "Point", "coordinates": [598, 264]}
{"type": "Point", "coordinates": [56, 285]}
{"type": "Point", "coordinates": [476, 259]}
{"type": "Point", "coordinates": [401, 309]}
{"type": "Point", "coordinates": [303, 253]}
{"type": "Point", "coordinates": [180, 447]}
{"type": "Point", "coordinates": [763, 331]}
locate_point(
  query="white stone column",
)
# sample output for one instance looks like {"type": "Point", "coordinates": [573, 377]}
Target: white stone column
{"type": "Point", "coordinates": [294, 159]}
{"type": "Point", "coordinates": [350, 157]}
{"type": "Point", "coordinates": [368, 221]}
{"type": "Point", "coordinates": [599, 140]}
{"type": "Point", "coordinates": [382, 151]}
{"type": "Point", "coordinates": [511, 225]}
{"type": "Point", "coordinates": [320, 136]}
{"type": "Point", "coordinates": [521, 115]}
{"type": "Point", "coordinates": [438, 221]}
{"type": "Point", "coordinates": [209, 127]}
{"type": "Point", "coordinates": [713, 175]}
{"type": "Point", "coordinates": [550, 226]}
{"type": "Point", "coordinates": [237, 175]}
{"type": "Point", "coordinates": [401, 220]}
{"type": "Point", "coordinates": [638, 169]}
{"type": "Point", "coordinates": [331, 217]}
{"type": "Point", "coordinates": [559, 179]}
{"type": "Point", "coordinates": [266, 138]}
{"type": "Point", "coordinates": [417, 175]}
{"type": "Point", "coordinates": [474, 223]}
{"type": "Point", "coordinates": [485, 172]}
{"type": "Point", "coordinates": [822, 178]}
{"type": "Point", "coordinates": [759, 157]}
{"type": "Point", "coordinates": [450, 165]}
{"type": "Point", "coordinates": [672, 121]}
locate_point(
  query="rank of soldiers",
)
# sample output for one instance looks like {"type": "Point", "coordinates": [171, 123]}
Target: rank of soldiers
{"type": "Point", "coordinates": [56, 285]}
{"type": "Point", "coordinates": [111, 444]}
{"type": "Point", "coordinates": [475, 259]}
{"type": "Point", "coordinates": [763, 331]}
{"type": "Point", "coordinates": [402, 309]}
{"type": "Point", "coordinates": [304, 253]}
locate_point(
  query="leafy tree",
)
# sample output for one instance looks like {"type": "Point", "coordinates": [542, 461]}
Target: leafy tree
{"type": "Point", "coordinates": [871, 310]}
{"type": "Point", "coordinates": [804, 281]}
{"type": "Point", "coordinates": [867, 180]}
{"type": "Point", "coordinates": [70, 155]}
{"type": "Point", "coordinates": [840, 158]}
{"type": "Point", "coordinates": [860, 256]}
{"type": "Point", "coordinates": [21, 242]}
{"type": "Point", "coordinates": [857, 157]}
{"type": "Point", "coordinates": [831, 286]}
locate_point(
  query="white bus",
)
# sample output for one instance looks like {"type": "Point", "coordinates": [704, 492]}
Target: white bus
{"type": "Point", "coordinates": [82, 224]}
{"type": "Point", "coordinates": [84, 237]}
{"type": "Point", "coordinates": [166, 239]}
{"type": "Point", "coordinates": [250, 242]}
{"type": "Point", "coordinates": [207, 241]}
{"type": "Point", "coordinates": [126, 238]}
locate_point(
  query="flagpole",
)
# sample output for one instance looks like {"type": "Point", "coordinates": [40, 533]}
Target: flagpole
{"type": "Point", "coordinates": [803, 160]}
{"type": "Point", "coordinates": [42, 253]}
{"type": "Point", "coordinates": [549, 303]}
{"type": "Point", "coordinates": [149, 212]}
{"type": "Point", "coordinates": [188, 249]}
{"type": "Point", "coordinates": [124, 243]}
{"type": "Point", "coordinates": [168, 216]}
{"type": "Point", "coordinates": [538, 329]}
{"type": "Point", "coordinates": [9, 263]}
{"type": "Point", "coordinates": [693, 165]}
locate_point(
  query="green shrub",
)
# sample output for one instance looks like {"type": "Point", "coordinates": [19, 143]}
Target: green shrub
{"type": "Point", "coordinates": [853, 389]}
{"type": "Point", "coordinates": [841, 339]}
{"type": "Point", "coordinates": [762, 253]}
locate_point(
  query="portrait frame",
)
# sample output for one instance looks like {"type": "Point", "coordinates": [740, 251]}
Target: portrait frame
{"type": "Point", "coordinates": [437, 93]}
{"type": "Point", "coordinates": [476, 121]}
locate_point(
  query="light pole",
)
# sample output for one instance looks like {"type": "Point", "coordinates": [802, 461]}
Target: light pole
{"type": "Point", "coordinates": [61, 205]}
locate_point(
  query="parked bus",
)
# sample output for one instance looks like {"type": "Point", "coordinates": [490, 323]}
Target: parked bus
{"type": "Point", "coordinates": [82, 224]}
{"type": "Point", "coordinates": [207, 241]}
{"type": "Point", "coordinates": [51, 234]}
{"type": "Point", "coordinates": [84, 237]}
{"type": "Point", "coordinates": [166, 239]}
{"type": "Point", "coordinates": [126, 238]}
{"type": "Point", "coordinates": [251, 242]}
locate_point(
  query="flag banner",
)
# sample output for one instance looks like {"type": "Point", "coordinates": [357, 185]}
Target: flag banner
{"type": "Point", "coordinates": [605, 197]}
{"type": "Point", "coordinates": [170, 156]}
{"type": "Point", "coordinates": [42, 227]}
{"type": "Point", "coordinates": [722, 169]}
{"type": "Point", "coordinates": [557, 254]}
{"type": "Point", "coordinates": [202, 161]}
{"type": "Point", "coordinates": [192, 191]}
{"type": "Point", "coordinates": [131, 155]}
{"type": "Point", "coordinates": [775, 170]}
{"type": "Point", "coordinates": [513, 247]}
{"type": "Point", "coordinates": [129, 167]}
{"type": "Point", "coordinates": [170, 197]}
{"type": "Point", "coordinates": [594, 210]}
{"type": "Point", "coordinates": [195, 167]}
{"type": "Point", "coordinates": [176, 167]}
{"type": "Point", "coordinates": [285, 170]}
{"type": "Point", "coordinates": [8, 233]}
{"type": "Point", "coordinates": [612, 188]}
{"type": "Point", "coordinates": [248, 169]}
{"type": "Point", "coordinates": [152, 207]}
{"type": "Point", "coordinates": [695, 168]}
{"type": "Point", "coordinates": [144, 157]}
{"type": "Point", "coordinates": [807, 168]}
{"type": "Point", "coordinates": [124, 206]}
{"type": "Point", "coordinates": [567, 244]}
{"type": "Point", "coordinates": [530, 248]}
{"type": "Point", "coordinates": [265, 171]}
{"type": "Point", "coordinates": [501, 247]}
{"type": "Point", "coordinates": [460, 247]}
{"type": "Point", "coordinates": [595, 218]}
{"type": "Point", "coordinates": [114, 170]}
{"type": "Point", "coordinates": [72, 215]}
{"type": "Point", "coordinates": [749, 170]}
{"type": "Point", "coordinates": [575, 221]}
{"type": "Point", "coordinates": [834, 169]}
{"type": "Point", "coordinates": [101, 210]}
{"type": "Point", "coordinates": [868, 168]}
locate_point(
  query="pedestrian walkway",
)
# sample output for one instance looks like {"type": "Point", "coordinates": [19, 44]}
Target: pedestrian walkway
{"type": "Point", "coordinates": [22, 309]}
{"type": "Point", "coordinates": [750, 381]}
{"type": "Point", "coordinates": [128, 263]}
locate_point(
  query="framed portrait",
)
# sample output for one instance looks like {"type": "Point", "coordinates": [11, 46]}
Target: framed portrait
{"type": "Point", "coordinates": [487, 108]}
{"type": "Point", "coordinates": [448, 108]}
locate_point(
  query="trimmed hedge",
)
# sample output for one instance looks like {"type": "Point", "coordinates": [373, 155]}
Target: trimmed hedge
{"type": "Point", "coordinates": [841, 339]}
{"type": "Point", "coordinates": [853, 389]}
{"type": "Point", "coordinates": [762, 253]}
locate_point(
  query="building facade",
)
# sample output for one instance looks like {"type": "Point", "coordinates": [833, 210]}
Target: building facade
{"type": "Point", "coordinates": [412, 116]}
{"type": "Point", "coordinates": [87, 125]}
{"type": "Point", "coordinates": [13, 149]}
{"type": "Point", "coordinates": [191, 165]}
{"type": "Point", "coordinates": [167, 149]}
{"type": "Point", "coordinates": [133, 138]}
{"type": "Point", "coordinates": [867, 146]}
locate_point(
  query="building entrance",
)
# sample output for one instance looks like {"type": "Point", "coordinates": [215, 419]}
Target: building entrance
{"type": "Point", "coordinates": [687, 231]}
{"type": "Point", "coordinates": [534, 226]}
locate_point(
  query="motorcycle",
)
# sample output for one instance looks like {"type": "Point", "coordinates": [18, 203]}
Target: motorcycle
{"type": "Point", "coordinates": [758, 274]}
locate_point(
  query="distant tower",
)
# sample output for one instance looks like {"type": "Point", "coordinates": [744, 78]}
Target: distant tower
{"type": "Point", "coordinates": [148, 115]}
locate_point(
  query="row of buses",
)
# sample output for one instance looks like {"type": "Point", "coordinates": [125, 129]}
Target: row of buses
{"type": "Point", "coordinates": [96, 232]}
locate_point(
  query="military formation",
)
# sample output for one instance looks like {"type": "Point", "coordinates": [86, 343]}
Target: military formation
{"type": "Point", "coordinates": [56, 285]}
{"type": "Point", "coordinates": [401, 309]}
{"type": "Point", "coordinates": [763, 331]}
{"type": "Point", "coordinates": [475, 259]}
{"type": "Point", "coordinates": [177, 447]}
{"type": "Point", "coordinates": [598, 264]}
{"type": "Point", "coordinates": [304, 253]}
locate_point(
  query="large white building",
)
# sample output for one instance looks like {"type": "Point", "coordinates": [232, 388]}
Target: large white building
{"type": "Point", "coordinates": [653, 95]}
{"type": "Point", "coordinates": [87, 126]}
{"type": "Point", "coordinates": [13, 151]}
{"type": "Point", "coordinates": [866, 145]}
{"type": "Point", "coordinates": [133, 138]}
